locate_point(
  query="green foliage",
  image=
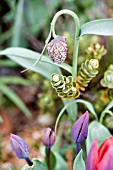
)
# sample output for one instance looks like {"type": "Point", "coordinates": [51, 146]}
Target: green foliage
{"type": "Point", "coordinates": [98, 131]}
{"type": "Point", "coordinates": [107, 81]}
{"type": "Point", "coordinates": [60, 162]}
{"type": "Point", "coordinates": [18, 23]}
{"type": "Point", "coordinates": [79, 162]}
{"type": "Point", "coordinates": [15, 99]}
{"type": "Point", "coordinates": [37, 165]}
{"type": "Point", "coordinates": [95, 27]}
{"type": "Point", "coordinates": [10, 94]}
{"type": "Point", "coordinates": [10, 167]}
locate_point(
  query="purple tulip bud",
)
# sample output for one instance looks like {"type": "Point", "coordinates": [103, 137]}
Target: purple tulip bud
{"type": "Point", "coordinates": [48, 138]}
{"type": "Point", "coordinates": [57, 49]}
{"type": "Point", "coordinates": [80, 128]}
{"type": "Point", "coordinates": [20, 148]}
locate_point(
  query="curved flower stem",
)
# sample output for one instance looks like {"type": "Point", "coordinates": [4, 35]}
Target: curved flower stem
{"type": "Point", "coordinates": [76, 42]}
{"type": "Point", "coordinates": [103, 114]}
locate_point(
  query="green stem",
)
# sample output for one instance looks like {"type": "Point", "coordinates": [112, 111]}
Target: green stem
{"type": "Point", "coordinates": [103, 114]}
{"type": "Point", "coordinates": [76, 42]}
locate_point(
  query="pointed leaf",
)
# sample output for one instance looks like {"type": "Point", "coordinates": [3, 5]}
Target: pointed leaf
{"type": "Point", "coordinates": [79, 162]}
{"type": "Point", "coordinates": [98, 131]}
{"type": "Point", "coordinates": [98, 27]}
{"type": "Point", "coordinates": [26, 58]}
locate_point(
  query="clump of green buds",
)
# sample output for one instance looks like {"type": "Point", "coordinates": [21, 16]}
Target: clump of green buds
{"type": "Point", "coordinates": [96, 51]}
{"type": "Point", "coordinates": [57, 49]}
{"type": "Point", "coordinates": [87, 72]}
{"type": "Point", "coordinates": [65, 86]}
{"type": "Point", "coordinates": [107, 81]}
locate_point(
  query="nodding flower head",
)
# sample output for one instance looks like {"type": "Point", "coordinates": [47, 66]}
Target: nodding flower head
{"type": "Point", "coordinates": [57, 49]}
{"type": "Point", "coordinates": [49, 138]}
{"type": "Point", "coordinates": [19, 146]}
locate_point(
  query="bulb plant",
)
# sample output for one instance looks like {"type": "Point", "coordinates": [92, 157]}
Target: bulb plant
{"type": "Point", "coordinates": [69, 89]}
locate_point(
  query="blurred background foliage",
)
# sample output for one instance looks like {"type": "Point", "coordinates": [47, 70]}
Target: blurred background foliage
{"type": "Point", "coordinates": [25, 23]}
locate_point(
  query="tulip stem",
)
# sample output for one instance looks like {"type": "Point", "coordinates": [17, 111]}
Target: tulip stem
{"type": "Point", "coordinates": [78, 148]}
{"type": "Point", "coordinates": [48, 155]}
{"type": "Point", "coordinates": [76, 43]}
{"type": "Point", "coordinates": [30, 163]}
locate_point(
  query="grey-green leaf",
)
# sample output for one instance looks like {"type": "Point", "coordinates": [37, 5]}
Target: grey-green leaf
{"type": "Point", "coordinates": [26, 58]}
{"type": "Point", "coordinates": [98, 27]}
{"type": "Point", "coordinates": [18, 23]}
{"type": "Point", "coordinates": [79, 163]}
{"type": "Point", "coordinates": [98, 131]}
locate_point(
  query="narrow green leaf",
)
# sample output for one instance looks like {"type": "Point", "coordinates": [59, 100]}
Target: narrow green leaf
{"type": "Point", "coordinates": [15, 99]}
{"type": "Point", "coordinates": [18, 23]}
{"type": "Point", "coordinates": [98, 27]}
{"type": "Point", "coordinates": [8, 63]}
{"type": "Point", "coordinates": [104, 113]}
{"type": "Point", "coordinates": [26, 58]}
{"type": "Point", "coordinates": [96, 131]}
{"type": "Point", "coordinates": [10, 167]}
{"type": "Point", "coordinates": [13, 80]}
{"type": "Point", "coordinates": [79, 163]}
{"type": "Point", "coordinates": [109, 106]}
{"type": "Point", "coordinates": [89, 106]}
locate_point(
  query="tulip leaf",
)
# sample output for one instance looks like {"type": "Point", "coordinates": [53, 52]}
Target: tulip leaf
{"type": "Point", "coordinates": [98, 27]}
{"type": "Point", "coordinates": [96, 130]}
{"type": "Point", "coordinates": [79, 162]}
{"type": "Point", "coordinates": [38, 165]}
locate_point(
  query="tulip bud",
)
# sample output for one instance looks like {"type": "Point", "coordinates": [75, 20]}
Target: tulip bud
{"type": "Point", "coordinates": [80, 129]}
{"type": "Point", "coordinates": [48, 138]}
{"type": "Point", "coordinates": [20, 148]}
{"type": "Point", "coordinates": [57, 49]}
